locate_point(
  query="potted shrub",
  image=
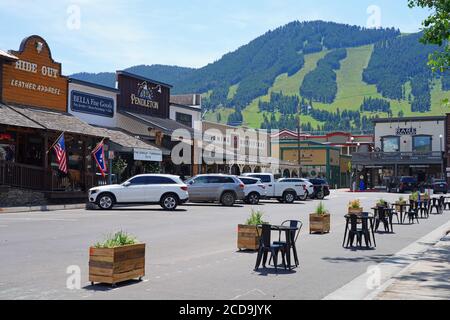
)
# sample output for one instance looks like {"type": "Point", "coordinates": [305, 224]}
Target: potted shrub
{"type": "Point", "coordinates": [382, 203]}
{"type": "Point", "coordinates": [414, 196]}
{"type": "Point", "coordinates": [248, 233]}
{"type": "Point", "coordinates": [401, 200]}
{"type": "Point", "coordinates": [119, 258]}
{"type": "Point", "coordinates": [319, 221]}
{"type": "Point", "coordinates": [354, 207]}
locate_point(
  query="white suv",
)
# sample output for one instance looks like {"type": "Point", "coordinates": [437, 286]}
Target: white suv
{"type": "Point", "coordinates": [166, 190]}
{"type": "Point", "coordinates": [254, 190]}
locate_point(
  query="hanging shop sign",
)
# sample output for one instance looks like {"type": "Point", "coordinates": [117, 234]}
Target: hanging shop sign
{"type": "Point", "coordinates": [142, 96]}
{"type": "Point", "coordinates": [406, 131]}
{"type": "Point", "coordinates": [91, 104]}
{"type": "Point", "coordinates": [35, 79]}
{"type": "Point", "coordinates": [147, 155]}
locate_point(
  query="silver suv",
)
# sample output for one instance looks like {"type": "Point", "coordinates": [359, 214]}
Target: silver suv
{"type": "Point", "coordinates": [225, 189]}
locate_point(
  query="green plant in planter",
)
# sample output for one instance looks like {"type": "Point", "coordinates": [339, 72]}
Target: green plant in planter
{"type": "Point", "coordinates": [382, 203]}
{"type": "Point", "coordinates": [119, 239]}
{"type": "Point", "coordinates": [414, 196]}
{"type": "Point", "coordinates": [355, 204]}
{"type": "Point", "coordinates": [401, 200]}
{"type": "Point", "coordinates": [255, 218]}
{"type": "Point", "coordinates": [321, 210]}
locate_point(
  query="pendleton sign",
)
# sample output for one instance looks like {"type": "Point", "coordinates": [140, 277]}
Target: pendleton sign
{"type": "Point", "coordinates": [35, 79]}
{"type": "Point", "coordinates": [142, 96]}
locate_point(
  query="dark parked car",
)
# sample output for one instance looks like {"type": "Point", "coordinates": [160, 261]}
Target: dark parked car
{"type": "Point", "coordinates": [403, 184]}
{"type": "Point", "coordinates": [439, 186]}
{"type": "Point", "coordinates": [321, 189]}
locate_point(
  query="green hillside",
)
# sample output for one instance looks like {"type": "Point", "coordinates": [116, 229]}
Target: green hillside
{"type": "Point", "coordinates": [351, 91]}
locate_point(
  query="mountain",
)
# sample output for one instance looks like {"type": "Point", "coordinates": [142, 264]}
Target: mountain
{"type": "Point", "coordinates": [339, 75]}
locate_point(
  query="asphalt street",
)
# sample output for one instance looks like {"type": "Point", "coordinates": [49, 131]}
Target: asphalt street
{"type": "Point", "coordinates": [191, 253]}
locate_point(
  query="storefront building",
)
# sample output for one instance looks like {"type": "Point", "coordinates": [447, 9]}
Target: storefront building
{"type": "Point", "coordinates": [97, 105]}
{"type": "Point", "coordinates": [186, 109]}
{"type": "Point", "coordinates": [242, 150]}
{"type": "Point", "coordinates": [143, 108]}
{"type": "Point", "coordinates": [346, 141]}
{"type": "Point", "coordinates": [316, 160]}
{"type": "Point", "coordinates": [33, 114]}
{"type": "Point", "coordinates": [410, 146]}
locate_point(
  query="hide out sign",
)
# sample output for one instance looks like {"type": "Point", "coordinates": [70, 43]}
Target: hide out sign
{"type": "Point", "coordinates": [35, 79]}
{"type": "Point", "coordinates": [142, 96]}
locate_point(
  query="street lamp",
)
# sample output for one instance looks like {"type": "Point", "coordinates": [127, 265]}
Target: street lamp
{"type": "Point", "coordinates": [441, 137]}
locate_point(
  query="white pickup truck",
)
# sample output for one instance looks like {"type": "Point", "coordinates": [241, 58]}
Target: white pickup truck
{"type": "Point", "coordinates": [284, 190]}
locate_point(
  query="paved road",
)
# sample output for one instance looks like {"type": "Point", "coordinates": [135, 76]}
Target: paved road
{"type": "Point", "coordinates": [191, 253]}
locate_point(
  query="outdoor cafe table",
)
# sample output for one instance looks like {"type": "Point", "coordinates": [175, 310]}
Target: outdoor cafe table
{"type": "Point", "coordinates": [289, 241]}
{"type": "Point", "coordinates": [364, 215]}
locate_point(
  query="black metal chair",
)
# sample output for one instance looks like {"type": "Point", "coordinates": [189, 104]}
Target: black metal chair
{"type": "Point", "coordinates": [294, 236]}
{"type": "Point", "coordinates": [265, 246]}
{"type": "Point", "coordinates": [353, 231]}
{"type": "Point", "coordinates": [447, 204]}
{"type": "Point", "coordinates": [413, 212]}
{"type": "Point", "coordinates": [425, 208]}
{"type": "Point", "coordinates": [395, 213]}
{"type": "Point", "coordinates": [382, 216]}
{"type": "Point", "coordinates": [435, 204]}
{"type": "Point", "coordinates": [441, 204]}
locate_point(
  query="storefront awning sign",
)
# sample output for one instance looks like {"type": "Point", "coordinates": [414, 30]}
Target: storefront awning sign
{"type": "Point", "coordinates": [147, 155]}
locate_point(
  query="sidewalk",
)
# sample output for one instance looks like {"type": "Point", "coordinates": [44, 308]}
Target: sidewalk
{"type": "Point", "coordinates": [426, 279]}
{"type": "Point", "coordinates": [43, 208]}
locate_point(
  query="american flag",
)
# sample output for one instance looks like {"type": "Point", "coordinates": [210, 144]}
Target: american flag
{"type": "Point", "coordinates": [60, 150]}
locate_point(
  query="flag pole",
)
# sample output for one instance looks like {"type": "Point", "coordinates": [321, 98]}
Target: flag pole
{"type": "Point", "coordinates": [55, 142]}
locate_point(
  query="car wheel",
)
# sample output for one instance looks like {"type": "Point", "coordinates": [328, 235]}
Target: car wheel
{"type": "Point", "coordinates": [105, 201]}
{"type": "Point", "coordinates": [320, 195]}
{"type": "Point", "coordinates": [304, 197]}
{"type": "Point", "coordinates": [228, 199]}
{"type": "Point", "coordinates": [289, 197]}
{"type": "Point", "coordinates": [253, 198]}
{"type": "Point", "coordinates": [169, 202]}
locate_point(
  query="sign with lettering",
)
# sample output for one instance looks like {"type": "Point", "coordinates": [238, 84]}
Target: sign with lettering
{"type": "Point", "coordinates": [147, 155]}
{"type": "Point", "coordinates": [35, 79]}
{"type": "Point", "coordinates": [406, 131]}
{"type": "Point", "coordinates": [142, 96]}
{"type": "Point", "coordinates": [92, 104]}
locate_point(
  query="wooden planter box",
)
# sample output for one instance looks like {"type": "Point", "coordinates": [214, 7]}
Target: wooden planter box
{"type": "Point", "coordinates": [319, 223]}
{"type": "Point", "coordinates": [358, 211]}
{"type": "Point", "coordinates": [248, 237]}
{"type": "Point", "coordinates": [397, 205]}
{"type": "Point", "coordinates": [116, 265]}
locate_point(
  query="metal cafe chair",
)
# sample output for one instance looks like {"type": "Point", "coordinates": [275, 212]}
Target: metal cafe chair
{"type": "Point", "coordinates": [294, 236]}
{"type": "Point", "coordinates": [435, 204]}
{"type": "Point", "coordinates": [413, 212]}
{"type": "Point", "coordinates": [265, 246]}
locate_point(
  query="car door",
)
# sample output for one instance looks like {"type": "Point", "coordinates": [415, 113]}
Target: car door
{"type": "Point", "coordinates": [134, 190]}
{"type": "Point", "coordinates": [215, 187]}
{"type": "Point", "coordinates": [154, 188]}
{"type": "Point", "coordinates": [196, 188]}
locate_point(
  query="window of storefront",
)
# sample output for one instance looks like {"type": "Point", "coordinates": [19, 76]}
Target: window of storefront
{"type": "Point", "coordinates": [184, 118]}
{"type": "Point", "coordinates": [422, 143]}
{"type": "Point", "coordinates": [391, 144]}
{"type": "Point", "coordinates": [7, 146]}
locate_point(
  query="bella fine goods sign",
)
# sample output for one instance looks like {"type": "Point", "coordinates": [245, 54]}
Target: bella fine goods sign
{"type": "Point", "coordinates": [35, 79]}
{"type": "Point", "coordinates": [91, 104]}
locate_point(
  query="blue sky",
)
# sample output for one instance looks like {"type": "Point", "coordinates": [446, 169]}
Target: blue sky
{"type": "Point", "coordinates": [114, 34]}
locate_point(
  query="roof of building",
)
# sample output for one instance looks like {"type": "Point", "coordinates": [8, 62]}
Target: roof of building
{"type": "Point", "coordinates": [125, 139]}
{"type": "Point", "coordinates": [58, 121]}
{"type": "Point", "coordinates": [9, 116]}
{"type": "Point", "coordinates": [7, 56]}
{"type": "Point", "coordinates": [186, 99]}
{"type": "Point", "coordinates": [93, 85]}
{"type": "Point", "coordinates": [408, 119]}
{"type": "Point", "coordinates": [167, 126]}
{"type": "Point", "coordinates": [132, 75]}
{"type": "Point", "coordinates": [193, 108]}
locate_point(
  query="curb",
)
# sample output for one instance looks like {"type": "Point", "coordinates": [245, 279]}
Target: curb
{"type": "Point", "coordinates": [358, 289]}
{"type": "Point", "coordinates": [44, 208]}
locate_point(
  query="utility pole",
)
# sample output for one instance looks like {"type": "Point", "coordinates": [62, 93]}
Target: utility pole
{"type": "Point", "coordinates": [298, 140]}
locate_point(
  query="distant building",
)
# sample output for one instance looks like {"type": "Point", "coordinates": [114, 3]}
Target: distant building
{"type": "Point", "coordinates": [410, 146]}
